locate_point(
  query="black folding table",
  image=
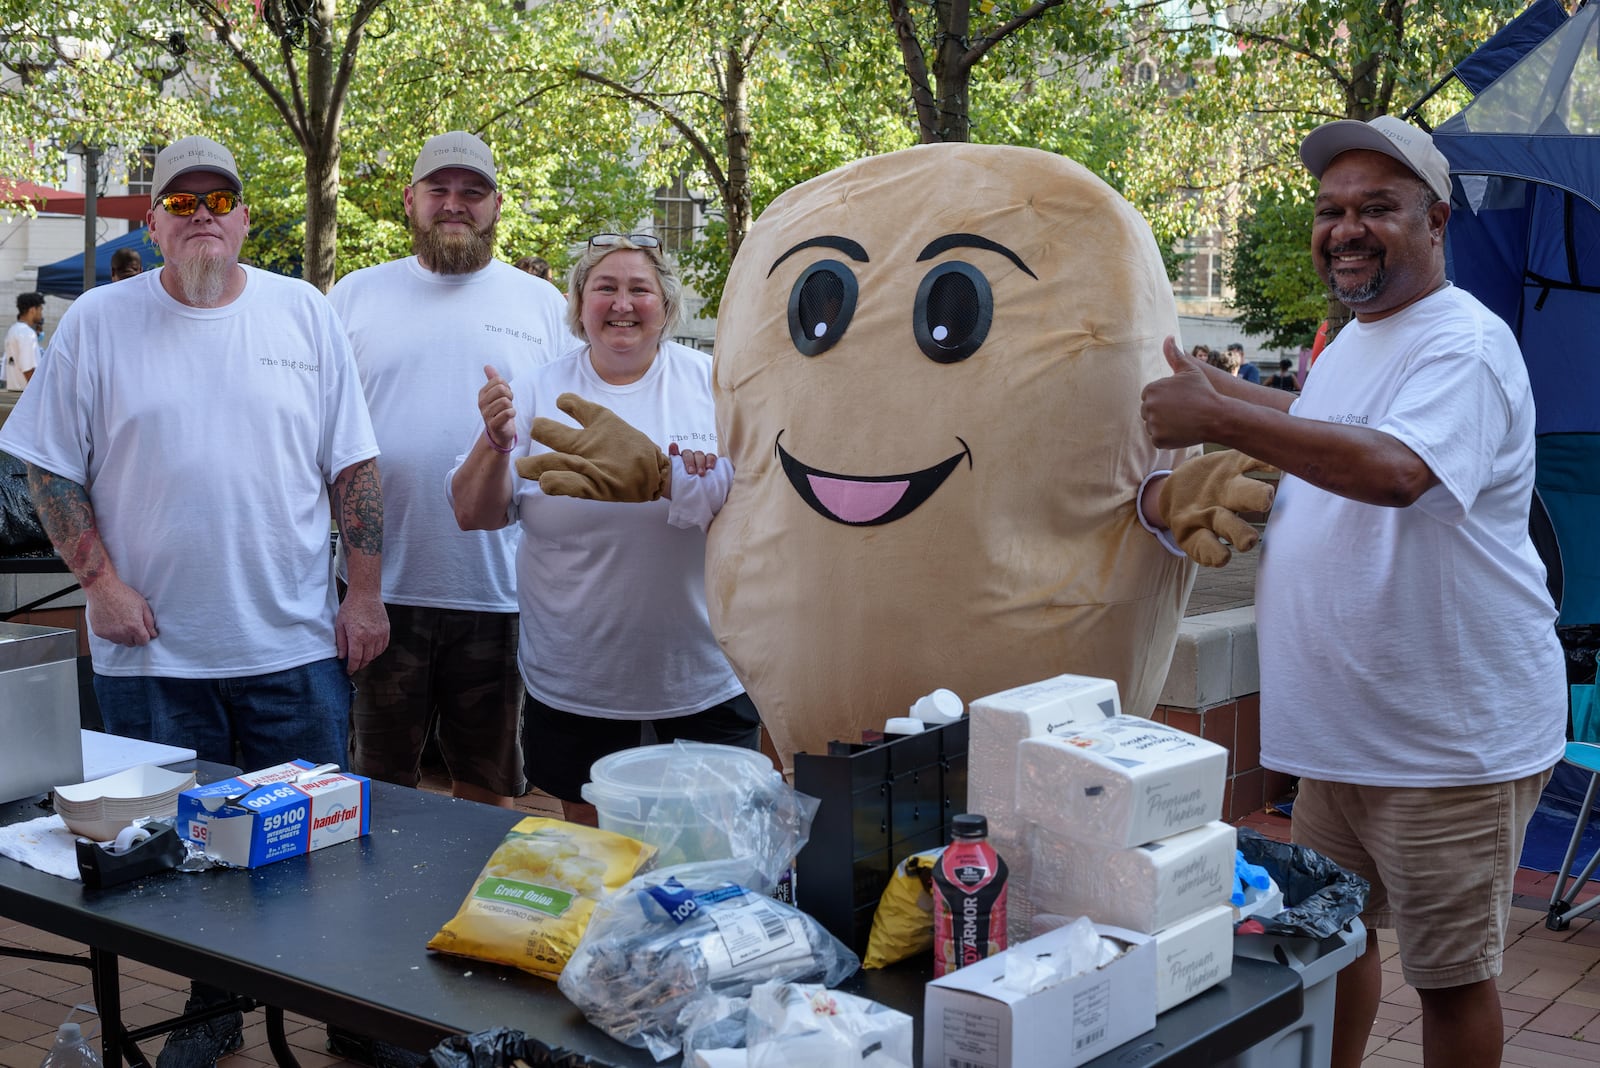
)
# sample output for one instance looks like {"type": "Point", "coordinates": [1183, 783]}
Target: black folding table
{"type": "Point", "coordinates": [338, 935]}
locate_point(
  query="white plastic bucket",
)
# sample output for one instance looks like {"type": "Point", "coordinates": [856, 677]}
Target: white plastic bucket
{"type": "Point", "coordinates": [627, 787]}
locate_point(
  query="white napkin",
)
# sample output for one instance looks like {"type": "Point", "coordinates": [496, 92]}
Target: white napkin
{"type": "Point", "coordinates": [44, 843]}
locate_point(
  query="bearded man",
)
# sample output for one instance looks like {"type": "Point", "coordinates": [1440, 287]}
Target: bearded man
{"type": "Point", "coordinates": [425, 330]}
{"type": "Point", "coordinates": [214, 623]}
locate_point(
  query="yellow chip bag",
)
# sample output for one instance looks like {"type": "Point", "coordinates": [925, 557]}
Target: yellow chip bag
{"type": "Point", "coordinates": [903, 924]}
{"type": "Point", "coordinates": [533, 900]}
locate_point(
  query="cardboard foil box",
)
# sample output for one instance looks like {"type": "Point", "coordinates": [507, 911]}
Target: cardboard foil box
{"type": "Point", "coordinates": [274, 813]}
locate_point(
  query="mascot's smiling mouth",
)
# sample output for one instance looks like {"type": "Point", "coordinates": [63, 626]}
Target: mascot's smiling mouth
{"type": "Point", "coordinates": [866, 500]}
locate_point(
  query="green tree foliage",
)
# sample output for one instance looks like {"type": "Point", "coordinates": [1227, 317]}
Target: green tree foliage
{"type": "Point", "coordinates": [1276, 290]}
{"type": "Point", "coordinates": [97, 74]}
{"type": "Point", "coordinates": [1246, 82]}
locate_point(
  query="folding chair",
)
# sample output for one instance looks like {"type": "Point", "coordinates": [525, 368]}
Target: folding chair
{"type": "Point", "coordinates": [1565, 510]}
{"type": "Point", "coordinates": [1584, 754]}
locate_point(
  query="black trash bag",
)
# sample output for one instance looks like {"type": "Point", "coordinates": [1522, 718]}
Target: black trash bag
{"type": "Point", "coordinates": [1319, 897]}
{"type": "Point", "coordinates": [501, 1048]}
{"type": "Point", "coordinates": [20, 531]}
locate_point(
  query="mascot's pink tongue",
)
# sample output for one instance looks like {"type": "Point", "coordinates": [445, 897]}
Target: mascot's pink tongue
{"type": "Point", "coordinates": [856, 502]}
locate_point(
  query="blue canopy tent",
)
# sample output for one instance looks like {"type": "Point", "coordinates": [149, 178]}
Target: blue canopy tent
{"type": "Point", "coordinates": [64, 278]}
{"type": "Point", "coordinates": [1524, 237]}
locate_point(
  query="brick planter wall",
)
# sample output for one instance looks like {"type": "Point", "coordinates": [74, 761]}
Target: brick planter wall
{"type": "Point", "coordinates": [1213, 690]}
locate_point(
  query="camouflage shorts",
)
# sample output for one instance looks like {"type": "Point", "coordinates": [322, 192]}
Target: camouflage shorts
{"type": "Point", "coordinates": [449, 671]}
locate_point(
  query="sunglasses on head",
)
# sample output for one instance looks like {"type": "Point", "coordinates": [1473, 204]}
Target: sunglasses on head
{"type": "Point", "coordinates": [218, 202]}
{"type": "Point", "coordinates": [610, 240]}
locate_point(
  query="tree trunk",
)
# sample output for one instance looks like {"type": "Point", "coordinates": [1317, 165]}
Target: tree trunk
{"type": "Point", "coordinates": [736, 130]}
{"type": "Point", "coordinates": [322, 150]}
{"type": "Point", "coordinates": [950, 70]}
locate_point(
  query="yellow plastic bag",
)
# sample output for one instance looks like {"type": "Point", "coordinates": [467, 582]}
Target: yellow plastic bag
{"type": "Point", "coordinates": [533, 899]}
{"type": "Point", "coordinates": [903, 925]}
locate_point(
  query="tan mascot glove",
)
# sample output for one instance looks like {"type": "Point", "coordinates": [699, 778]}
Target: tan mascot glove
{"type": "Point", "coordinates": [604, 459]}
{"type": "Point", "coordinates": [1201, 501]}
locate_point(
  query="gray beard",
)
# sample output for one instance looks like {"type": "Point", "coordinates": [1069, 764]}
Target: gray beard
{"type": "Point", "coordinates": [453, 253]}
{"type": "Point", "coordinates": [204, 278]}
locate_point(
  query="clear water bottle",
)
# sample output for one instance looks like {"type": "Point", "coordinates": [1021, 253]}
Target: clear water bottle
{"type": "Point", "coordinates": [71, 1049]}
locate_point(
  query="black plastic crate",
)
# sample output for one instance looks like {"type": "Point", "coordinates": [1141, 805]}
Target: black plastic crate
{"type": "Point", "coordinates": [881, 803]}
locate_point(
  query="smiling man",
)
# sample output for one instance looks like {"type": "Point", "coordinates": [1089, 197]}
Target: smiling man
{"type": "Point", "coordinates": [423, 329]}
{"type": "Point", "coordinates": [187, 440]}
{"type": "Point", "coordinates": [1426, 702]}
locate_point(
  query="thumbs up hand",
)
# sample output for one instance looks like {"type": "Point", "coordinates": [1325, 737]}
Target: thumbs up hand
{"type": "Point", "coordinates": [1176, 410]}
{"type": "Point", "coordinates": [495, 405]}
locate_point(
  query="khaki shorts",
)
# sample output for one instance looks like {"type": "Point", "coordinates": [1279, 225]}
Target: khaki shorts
{"type": "Point", "coordinates": [449, 671]}
{"type": "Point", "coordinates": [1441, 861]}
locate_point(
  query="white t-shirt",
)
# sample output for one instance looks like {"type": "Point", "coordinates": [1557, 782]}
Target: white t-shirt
{"type": "Point", "coordinates": [21, 354]}
{"type": "Point", "coordinates": [421, 341]}
{"type": "Point", "coordinates": [1414, 646]}
{"type": "Point", "coordinates": [613, 596]}
{"type": "Point", "coordinates": [207, 439]}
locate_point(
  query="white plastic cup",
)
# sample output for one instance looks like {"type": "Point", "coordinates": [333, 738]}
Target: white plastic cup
{"type": "Point", "coordinates": [938, 708]}
{"type": "Point", "coordinates": [902, 725]}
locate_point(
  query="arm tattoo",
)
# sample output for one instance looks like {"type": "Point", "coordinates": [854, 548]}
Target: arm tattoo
{"type": "Point", "coordinates": [358, 505]}
{"type": "Point", "coordinates": [68, 517]}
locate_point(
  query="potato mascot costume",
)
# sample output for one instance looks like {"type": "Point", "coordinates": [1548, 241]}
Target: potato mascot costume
{"type": "Point", "coordinates": [928, 367]}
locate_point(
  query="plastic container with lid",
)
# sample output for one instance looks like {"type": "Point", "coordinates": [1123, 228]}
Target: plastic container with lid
{"type": "Point", "coordinates": [646, 794]}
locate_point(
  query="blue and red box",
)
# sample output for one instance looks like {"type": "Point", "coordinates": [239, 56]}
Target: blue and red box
{"type": "Point", "coordinates": [275, 813]}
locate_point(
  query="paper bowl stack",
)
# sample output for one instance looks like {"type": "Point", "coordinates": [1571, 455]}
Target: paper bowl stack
{"type": "Point", "coordinates": [98, 809]}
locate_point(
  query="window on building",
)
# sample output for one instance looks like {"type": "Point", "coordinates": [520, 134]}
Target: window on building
{"type": "Point", "coordinates": [677, 216]}
{"type": "Point", "coordinates": [142, 170]}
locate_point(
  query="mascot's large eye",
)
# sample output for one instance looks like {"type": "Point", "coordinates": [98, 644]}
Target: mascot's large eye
{"type": "Point", "coordinates": [820, 306]}
{"type": "Point", "coordinates": [953, 311]}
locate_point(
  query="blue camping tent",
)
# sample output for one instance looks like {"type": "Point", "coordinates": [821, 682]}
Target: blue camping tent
{"type": "Point", "coordinates": [1524, 237]}
{"type": "Point", "coordinates": [64, 278]}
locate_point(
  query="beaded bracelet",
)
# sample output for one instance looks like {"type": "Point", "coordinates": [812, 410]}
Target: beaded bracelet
{"type": "Point", "coordinates": [497, 448]}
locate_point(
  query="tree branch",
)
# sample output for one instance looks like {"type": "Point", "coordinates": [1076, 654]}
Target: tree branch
{"type": "Point", "coordinates": [708, 157]}
{"type": "Point", "coordinates": [993, 37]}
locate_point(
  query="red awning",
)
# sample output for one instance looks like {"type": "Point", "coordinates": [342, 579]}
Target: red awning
{"type": "Point", "coordinates": [131, 207]}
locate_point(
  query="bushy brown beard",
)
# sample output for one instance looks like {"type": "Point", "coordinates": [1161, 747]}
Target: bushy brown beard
{"type": "Point", "coordinates": [453, 253]}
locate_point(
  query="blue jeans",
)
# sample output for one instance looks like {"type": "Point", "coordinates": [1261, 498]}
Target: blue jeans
{"type": "Point", "coordinates": [272, 718]}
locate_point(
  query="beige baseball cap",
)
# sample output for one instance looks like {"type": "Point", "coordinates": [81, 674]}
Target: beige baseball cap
{"type": "Point", "coordinates": [192, 154]}
{"type": "Point", "coordinates": [454, 149]}
{"type": "Point", "coordinates": [1400, 140]}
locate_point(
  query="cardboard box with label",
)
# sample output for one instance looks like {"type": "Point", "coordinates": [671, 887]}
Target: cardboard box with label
{"type": "Point", "coordinates": [971, 1017]}
{"type": "Point", "coordinates": [278, 812]}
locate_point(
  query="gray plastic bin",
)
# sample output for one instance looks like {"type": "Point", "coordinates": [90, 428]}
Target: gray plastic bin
{"type": "Point", "coordinates": [1308, 1042]}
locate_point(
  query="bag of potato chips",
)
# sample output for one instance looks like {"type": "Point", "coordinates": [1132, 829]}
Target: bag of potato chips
{"type": "Point", "coordinates": [534, 897]}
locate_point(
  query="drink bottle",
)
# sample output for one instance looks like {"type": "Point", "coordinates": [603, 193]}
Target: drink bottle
{"type": "Point", "coordinates": [969, 897]}
{"type": "Point", "coordinates": [71, 1050]}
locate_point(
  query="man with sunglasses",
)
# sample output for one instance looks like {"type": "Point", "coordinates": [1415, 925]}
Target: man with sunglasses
{"type": "Point", "coordinates": [188, 440]}
{"type": "Point", "coordinates": [424, 330]}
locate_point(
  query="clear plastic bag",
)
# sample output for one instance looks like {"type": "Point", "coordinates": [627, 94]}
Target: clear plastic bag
{"type": "Point", "coordinates": [712, 808]}
{"type": "Point", "coordinates": [675, 937]}
{"type": "Point", "coordinates": [798, 1025]}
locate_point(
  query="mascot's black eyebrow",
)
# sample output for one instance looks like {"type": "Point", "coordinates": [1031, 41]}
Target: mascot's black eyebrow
{"type": "Point", "coordinates": [950, 241]}
{"type": "Point", "coordinates": [843, 244]}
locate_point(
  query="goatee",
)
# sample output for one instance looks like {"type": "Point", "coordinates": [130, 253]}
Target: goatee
{"type": "Point", "coordinates": [204, 278]}
{"type": "Point", "coordinates": [456, 252]}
